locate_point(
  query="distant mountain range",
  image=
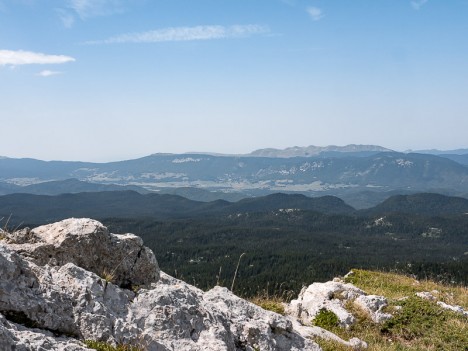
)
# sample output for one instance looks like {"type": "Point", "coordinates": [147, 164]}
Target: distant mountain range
{"type": "Point", "coordinates": [309, 151]}
{"type": "Point", "coordinates": [362, 175]}
{"type": "Point", "coordinates": [442, 152]}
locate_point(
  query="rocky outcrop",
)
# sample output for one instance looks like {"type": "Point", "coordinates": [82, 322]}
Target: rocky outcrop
{"type": "Point", "coordinates": [53, 295]}
{"type": "Point", "coordinates": [89, 245]}
{"type": "Point", "coordinates": [333, 296]}
{"type": "Point", "coordinates": [432, 296]}
{"type": "Point", "coordinates": [18, 338]}
{"type": "Point", "coordinates": [329, 296]}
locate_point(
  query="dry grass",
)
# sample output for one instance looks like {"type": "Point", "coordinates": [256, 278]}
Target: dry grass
{"type": "Point", "coordinates": [395, 286]}
{"type": "Point", "coordinates": [109, 277]}
{"type": "Point", "coordinates": [274, 304]}
{"type": "Point", "coordinates": [103, 346]}
{"type": "Point", "coordinates": [417, 325]}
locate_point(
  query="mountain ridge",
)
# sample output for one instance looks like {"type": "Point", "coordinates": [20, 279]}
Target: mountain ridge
{"type": "Point", "coordinates": [231, 178]}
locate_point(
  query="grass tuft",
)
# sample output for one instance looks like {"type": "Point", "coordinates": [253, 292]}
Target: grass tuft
{"type": "Point", "coordinates": [273, 304]}
{"type": "Point", "coordinates": [109, 277]}
{"type": "Point", "coordinates": [103, 346]}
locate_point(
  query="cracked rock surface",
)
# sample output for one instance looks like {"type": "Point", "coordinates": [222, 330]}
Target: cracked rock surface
{"type": "Point", "coordinates": [53, 296]}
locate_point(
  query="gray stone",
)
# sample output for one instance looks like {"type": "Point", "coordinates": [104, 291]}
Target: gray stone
{"type": "Point", "coordinates": [88, 244]}
{"type": "Point", "coordinates": [50, 284]}
{"type": "Point", "coordinates": [373, 305]}
{"type": "Point", "coordinates": [330, 296]}
{"type": "Point", "coordinates": [14, 337]}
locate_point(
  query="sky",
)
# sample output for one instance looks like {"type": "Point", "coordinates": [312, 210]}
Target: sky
{"type": "Point", "coordinates": [106, 80]}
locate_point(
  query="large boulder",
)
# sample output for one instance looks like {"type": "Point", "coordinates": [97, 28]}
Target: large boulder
{"type": "Point", "coordinates": [88, 244]}
{"type": "Point", "coordinates": [52, 297]}
{"type": "Point", "coordinates": [15, 337]}
{"type": "Point", "coordinates": [66, 300]}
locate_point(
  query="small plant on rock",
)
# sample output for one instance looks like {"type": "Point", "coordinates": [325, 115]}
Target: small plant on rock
{"type": "Point", "coordinates": [6, 229]}
{"type": "Point", "coordinates": [109, 277]}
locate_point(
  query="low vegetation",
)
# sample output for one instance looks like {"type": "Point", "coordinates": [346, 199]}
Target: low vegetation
{"type": "Point", "coordinates": [326, 319]}
{"type": "Point", "coordinates": [103, 346]}
{"type": "Point", "coordinates": [273, 304]}
{"type": "Point", "coordinates": [418, 324]}
{"type": "Point", "coordinates": [109, 277]}
{"type": "Point", "coordinates": [396, 286]}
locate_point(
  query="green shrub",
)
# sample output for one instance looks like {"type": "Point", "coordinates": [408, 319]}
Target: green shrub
{"type": "Point", "coordinates": [326, 319]}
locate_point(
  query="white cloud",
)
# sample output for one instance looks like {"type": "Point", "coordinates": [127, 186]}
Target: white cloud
{"type": "Point", "coordinates": [47, 73]}
{"type": "Point", "coordinates": [66, 17]}
{"type": "Point", "coordinates": [186, 34]}
{"type": "Point", "coordinates": [93, 8]}
{"type": "Point", "coordinates": [15, 58]}
{"type": "Point", "coordinates": [417, 4]}
{"type": "Point", "coordinates": [315, 13]}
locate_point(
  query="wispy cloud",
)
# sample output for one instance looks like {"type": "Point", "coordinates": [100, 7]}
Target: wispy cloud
{"type": "Point", "coordinates": [315, 13]}
{"type": "Point", "coordinates": [66, 17]}
{"type": "Point", "coordinates": [16, 58]}
{"type": "Point", "coordinates": [85, 9]}
{"type": "Point", "coordinates": [186, 34]}
{"type": "Point", "coordinates": [47, 73]}
{"type": "Point", "coordinates": [417, 4]}
{"type": "Point", "coordinates": [92, 8]}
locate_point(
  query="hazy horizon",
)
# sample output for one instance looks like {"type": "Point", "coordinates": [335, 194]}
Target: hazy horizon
{"type": "Point", "coordinates": [110, 80]}
{"type": "Point", "coordinates": [116, 159]}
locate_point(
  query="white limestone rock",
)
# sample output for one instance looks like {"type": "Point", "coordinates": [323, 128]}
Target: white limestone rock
{"type": "Point", "coordinates": [14, 337]}
{"type": "Point", "coordinates": [373, 305]}
{"type": "Point", "coordinates": [48, 278]}
{"type": "Point", "coordinates": [67, 299]}
{"type": "Point", "coordinates": [426, 295]}
{"type": "Point", "coordinates": [330, 296]}
{"type": "Point", "coordinates": [453, 308]}
{"type": "Point", "coordinates": [88, 244]}
{"type": "Point", "coordinates": [254, 327]}
{"type": "Point", "coordinates": [431, 297]}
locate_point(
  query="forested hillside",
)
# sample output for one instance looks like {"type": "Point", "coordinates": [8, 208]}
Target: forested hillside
{"type": "Point", "coordinates": [287, 249]}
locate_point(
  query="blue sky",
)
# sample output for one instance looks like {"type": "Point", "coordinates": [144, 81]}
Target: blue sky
{"type": "Point", "coordinates": [104, 80]}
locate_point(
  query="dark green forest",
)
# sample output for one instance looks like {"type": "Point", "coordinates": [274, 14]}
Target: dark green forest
{"type": "Point", "coordinates": [287, 249]}
{"type": "Point", "coordinates": [289, 240]}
